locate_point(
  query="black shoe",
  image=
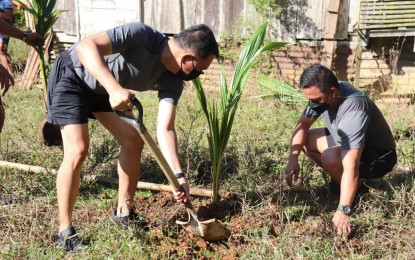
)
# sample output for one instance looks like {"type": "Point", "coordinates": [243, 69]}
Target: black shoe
{"type": "Point", "coordinates": [69, 240]}
{"type": "Point", "coordinates": [131, 220]}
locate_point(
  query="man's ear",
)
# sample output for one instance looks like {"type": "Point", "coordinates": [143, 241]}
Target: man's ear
{"type": "Point", "coordinates": [186, 57]}
{"type": "Point", "coordinates": [333, 92]}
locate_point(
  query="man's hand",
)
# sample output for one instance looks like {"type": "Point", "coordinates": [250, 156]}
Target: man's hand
{"type": "Point", "coordinates": [341, 223]}
{"type": "Point", "coordinates": [182, 195]}
{"type": "Point", "coordinates": [33, 39]}
{"type": "Point", "coordinates": [6, 80]}
{"type": "Point", "coordinates": [121, 99]}
{"type": "Point", "coordinates": [291, 172]}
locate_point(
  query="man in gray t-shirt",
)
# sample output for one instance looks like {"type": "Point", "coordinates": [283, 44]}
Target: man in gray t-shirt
{"type": "Point", "coordinates": [356, 144]}
{"type": "Point", "coordinates": [91, 79]}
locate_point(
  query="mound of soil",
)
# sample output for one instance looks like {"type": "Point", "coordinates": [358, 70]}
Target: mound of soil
{"type": "Point", "coordinates": [161, 212]}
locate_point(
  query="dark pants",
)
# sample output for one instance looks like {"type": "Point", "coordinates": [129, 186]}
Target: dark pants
{"type": "Point", "coordinates": [70, 100]}
{"type": "Point", "coordinates": [374, 163]}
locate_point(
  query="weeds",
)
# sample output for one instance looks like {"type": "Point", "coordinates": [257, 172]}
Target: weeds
{"type": "Point", "coordinates": [271, 221]}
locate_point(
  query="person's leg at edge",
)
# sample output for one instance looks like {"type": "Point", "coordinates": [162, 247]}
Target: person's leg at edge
{"type": "Point", "coordinates": [5, 60]}
{"type": "Point", "coordinates": [2, 115]}
{"type": "Point", "coordinates": [75, 148]}
{"type": "Point", "coordinates": [129, 161]}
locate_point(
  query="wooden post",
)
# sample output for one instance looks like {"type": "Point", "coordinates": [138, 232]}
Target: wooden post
{"type": "Point", "coordinates": [332, 19]}
{"type": "Point", "coordinates": [78, 20]}
{"type": "Point", "coordinates": [181, 14]}
{"type": "Point", "coordinates": [32, 65]}
{"type": "Point", "coordinates": [31, 70]}
{"type": "Point", "coordinates": [141, 11]}
{"type": "Point", "coordinates": [329, 47]}
{"type": "Point", "coordinates": [358, 61]}
{"type": "Point", "coordinates": [330, 32]}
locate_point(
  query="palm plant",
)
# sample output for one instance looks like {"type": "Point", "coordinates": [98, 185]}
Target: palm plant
{"type": "Point", "coordinates": [44, 18]}
{"type": "Point", "coordinates": [279, 89]}
{"type": "Point", "coordinates": [220, 117]}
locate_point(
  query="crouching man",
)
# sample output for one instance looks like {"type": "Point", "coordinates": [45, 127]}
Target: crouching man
{"type": "Point", "coordinates": [356, 143]}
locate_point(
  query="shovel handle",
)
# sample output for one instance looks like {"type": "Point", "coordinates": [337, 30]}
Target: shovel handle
{"type": "Point", "coordinates": [137, 123]}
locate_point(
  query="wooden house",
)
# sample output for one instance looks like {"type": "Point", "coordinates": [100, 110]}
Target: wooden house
{"type": "Point", "coordinates": [325, 31]}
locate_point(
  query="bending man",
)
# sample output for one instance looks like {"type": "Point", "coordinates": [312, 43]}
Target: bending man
{"type": "Point", "coordinates": [91, 79]}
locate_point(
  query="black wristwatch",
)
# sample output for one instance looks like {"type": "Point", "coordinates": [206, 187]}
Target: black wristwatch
{"type": "Point", "coordinates": [24, 36]}
{"type": "Point", "coordinates": [345, 209]}
{"type": "Point", "coordinates": [180, 175]}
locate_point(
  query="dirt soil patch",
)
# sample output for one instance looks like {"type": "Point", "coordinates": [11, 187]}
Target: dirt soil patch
{"type": "Point", "coordinates": [161, 211]}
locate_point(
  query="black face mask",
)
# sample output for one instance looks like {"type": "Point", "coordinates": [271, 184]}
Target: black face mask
{"type": "Point", "coordinates": [192, 75]}
{"type": "Point", "coordinates": [319, 108]}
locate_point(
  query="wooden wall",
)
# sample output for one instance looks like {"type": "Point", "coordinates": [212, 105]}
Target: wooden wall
{"type": "Point", "coordinates": [300, 20]}
{"type": "Point", "coordinates": [100, 15]}
{"type": "Point", "coordinates": [88, 17]}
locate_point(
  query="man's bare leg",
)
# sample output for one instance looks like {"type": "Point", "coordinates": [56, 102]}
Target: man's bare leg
{"type": "Point", "coordinates": [129, 161]}
{"type": "Point", "coordinates": [75, 147]}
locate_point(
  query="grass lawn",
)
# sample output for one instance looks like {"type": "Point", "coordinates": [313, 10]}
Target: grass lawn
{"type": "Point", "coordinates": [268, 220]}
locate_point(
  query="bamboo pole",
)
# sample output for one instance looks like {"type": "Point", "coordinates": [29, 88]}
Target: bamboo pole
{"type": "Point", "coordinates": [391, 22]}
{"type": "Point", "coordinates": [369, 17]}
{"type": "Point", "coordinates": [385, 26]}
{"type": "Point", "coordinates": [366, 11]}
{"type": "Point", "coordinates": [106, 180]}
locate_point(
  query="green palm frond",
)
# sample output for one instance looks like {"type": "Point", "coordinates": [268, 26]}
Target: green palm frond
{"type": "Point", "coordinates": [44, 18]}
{"type": "Point", "coordinates": [43, 14]}
{"type": "Point", "coordinates": [279, 89]}
{"type": "Point", "coordinates": [220, 118]}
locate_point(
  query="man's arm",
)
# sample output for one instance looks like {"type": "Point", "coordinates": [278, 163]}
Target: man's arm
{"type": "Point", "coordinates": [298, 139]}
{"type": "Point", "coordinates": [91, 52]}
{"type": "Point", "coordinates": [348, 187]}
{"type": "Point", "coordinates": [30, 38]}
{"type": "Point", "coordinates": [350, 176]}
{"type": "Point", "coordinates": [167, 139]}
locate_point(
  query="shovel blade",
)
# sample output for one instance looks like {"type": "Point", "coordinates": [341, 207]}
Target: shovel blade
{"type": "Point", "coordinates": [211, 230]}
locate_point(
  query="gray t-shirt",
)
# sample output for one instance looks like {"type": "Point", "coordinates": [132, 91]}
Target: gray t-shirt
{"type": "Point", "coordinates": [357, 122]}
{"type": "Point", "coordinates": [136, 62]}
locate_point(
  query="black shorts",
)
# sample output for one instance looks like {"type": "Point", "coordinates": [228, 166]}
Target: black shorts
{"type": "Point", "coordinates": [374, 163]}
{"type": "Point", "coordinates": [70, 100]}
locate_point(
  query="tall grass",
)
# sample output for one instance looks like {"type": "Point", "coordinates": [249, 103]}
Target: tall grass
{"type": "Point", "coordinates": [383, 221]}
{"type": "Point", "coordinates": [18, 50]}
{"type": "Point", "coordinates": [220, 117]}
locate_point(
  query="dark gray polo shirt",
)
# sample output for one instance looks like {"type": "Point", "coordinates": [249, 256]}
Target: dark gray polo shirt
{"type": "Point", "coordinates": [136, 62]}
{"type": "Point", "coordinates": [356, 122]}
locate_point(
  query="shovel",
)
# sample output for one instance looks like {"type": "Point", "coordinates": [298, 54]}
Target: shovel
{"type": "Point", "coordinates": [211, 230]}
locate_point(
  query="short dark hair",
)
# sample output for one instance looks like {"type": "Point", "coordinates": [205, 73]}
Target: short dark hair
{"type": "Point", "coordinates": [200, 39]}
{"type": "Point", "coordinates": [320, 76]}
